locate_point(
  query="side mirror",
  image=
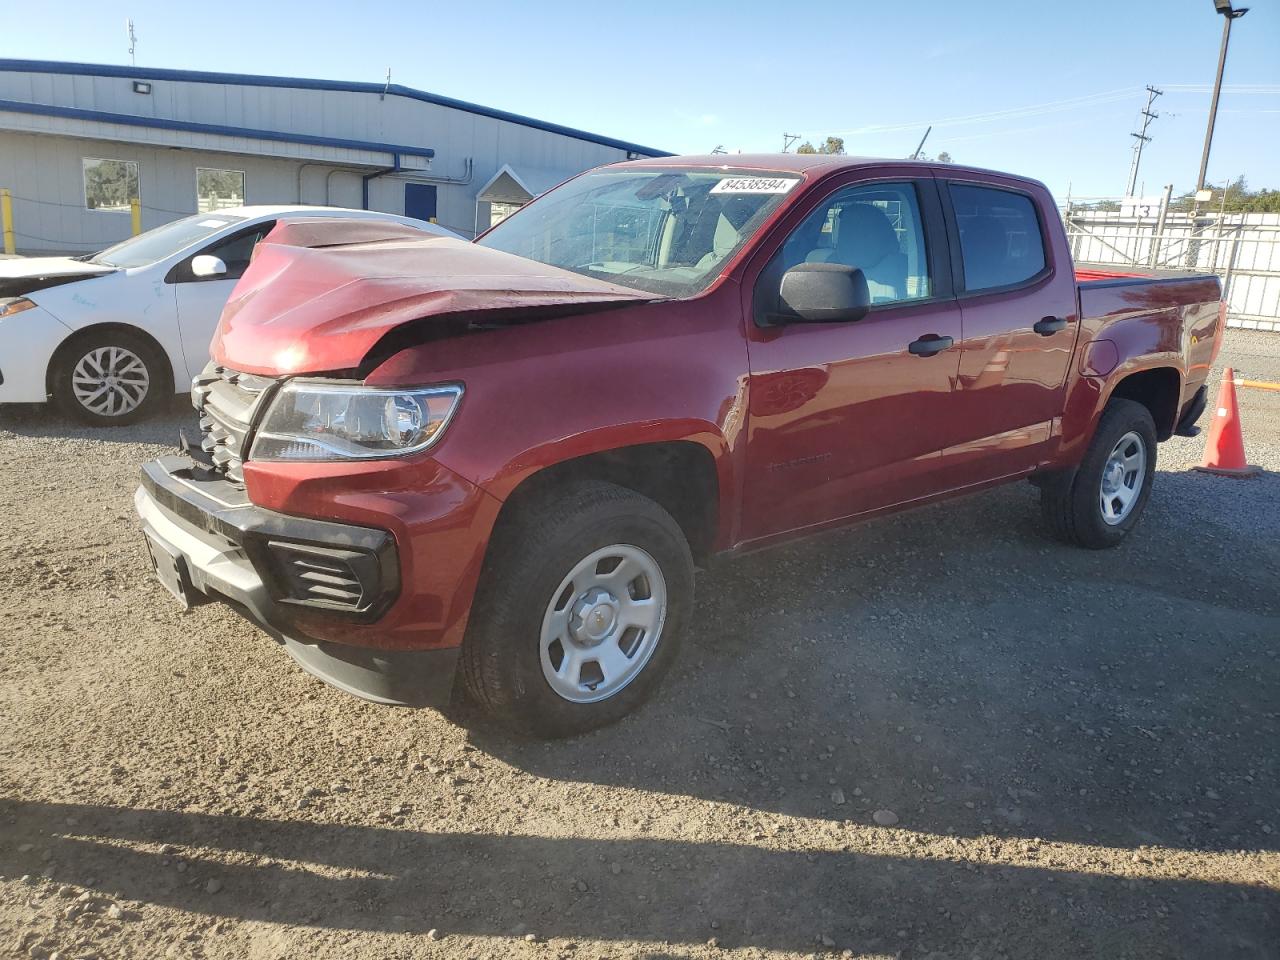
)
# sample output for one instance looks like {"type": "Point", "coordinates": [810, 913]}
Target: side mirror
{"type": "Point", "coordinates": [824, 293]}
{"type": "Point", "coordinates": [205, 266]}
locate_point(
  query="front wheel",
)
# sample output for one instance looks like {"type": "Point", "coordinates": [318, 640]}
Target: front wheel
{"type": "Point", "coordinates": [579, 611]}
{"type": "Point", "coordinates": [1103, 501]}
{"type": "Point", "coordinates": [110, 378]}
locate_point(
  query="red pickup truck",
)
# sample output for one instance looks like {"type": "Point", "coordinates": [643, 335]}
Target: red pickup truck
{"type": "Point", "coordinates": [425, 460]}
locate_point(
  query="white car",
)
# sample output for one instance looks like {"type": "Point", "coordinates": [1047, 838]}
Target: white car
{"type": "Point", "coordinates": [109, 336]}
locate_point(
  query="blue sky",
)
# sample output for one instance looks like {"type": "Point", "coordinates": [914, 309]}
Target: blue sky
{"type": "Point", "coordinates": [1047, 89]}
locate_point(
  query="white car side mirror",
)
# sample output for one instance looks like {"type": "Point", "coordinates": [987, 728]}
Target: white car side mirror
{"type": "Point", "coordinates": [207, 266]}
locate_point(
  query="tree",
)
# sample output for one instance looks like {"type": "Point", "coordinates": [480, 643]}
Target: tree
{"type": "Point", "coordinates": [110, 184]}
{"type": "Point", "coordinates": [944, 157]}
{"type": "Point", "coordinates": [832, 145]}
{"type": "Point", "coordinates": [1234, 197]}
{"type": "Point", "coordinates": [221, 184]}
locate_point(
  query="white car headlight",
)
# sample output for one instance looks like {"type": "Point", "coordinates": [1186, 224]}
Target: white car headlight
{"type": "Point", "coordinates": [329, 420]}
{"type": "Point", "coordinates": [10, 306]}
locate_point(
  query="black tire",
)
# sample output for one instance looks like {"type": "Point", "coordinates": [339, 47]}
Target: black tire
{"type": "Point", "coordinates": [1071, 505]}
{"type": "Point", "coordinates": [124, 396]}
{"type": "Point", "coordinates": [533, 551]}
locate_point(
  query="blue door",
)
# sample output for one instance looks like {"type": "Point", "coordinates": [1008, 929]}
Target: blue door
{"type": "Point", "coordinates": [420, 200]}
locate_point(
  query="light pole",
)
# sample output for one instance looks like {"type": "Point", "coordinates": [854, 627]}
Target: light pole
{"type": "Point", "coordinates": [1228, 14]}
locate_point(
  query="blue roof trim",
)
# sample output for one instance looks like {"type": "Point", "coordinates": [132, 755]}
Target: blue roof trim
{"type": "Point", "coordinates": [344, 86]}
{"type": "Point", "coordinates": [160, 123]}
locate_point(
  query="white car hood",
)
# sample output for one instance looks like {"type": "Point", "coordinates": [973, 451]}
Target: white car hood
{"type": "Point", "coordinates": [35, 267]}
{"type": "Point", "coordinates": [30, 274]}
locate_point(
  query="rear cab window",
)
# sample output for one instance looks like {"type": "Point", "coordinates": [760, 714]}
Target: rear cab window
{"type": "Point", "coordinates": [1001, 240]}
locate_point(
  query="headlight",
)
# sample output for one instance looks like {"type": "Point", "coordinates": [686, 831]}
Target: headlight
{"type": "Point", "coordinates": [317, 420]}
{"type": "Point", "coordinates": [8, 307]}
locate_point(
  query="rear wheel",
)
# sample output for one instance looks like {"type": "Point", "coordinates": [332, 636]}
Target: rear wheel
{"type": "Point", "coordinates": [110, 378]}
{"type": "Point", "coordinates": [579, 611]}
{"type": "Point", "coordinates": [1104, 499]}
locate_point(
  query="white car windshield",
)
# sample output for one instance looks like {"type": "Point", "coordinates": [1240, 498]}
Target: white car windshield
{"type": "Point", "coordinates": [664, 230]}
{"type": "Point", "coordinates": [164, 241]}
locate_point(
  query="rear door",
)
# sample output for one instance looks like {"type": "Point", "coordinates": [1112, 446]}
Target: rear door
{"type": "Point", "coordinates": [1017, 296]}
{"type": "Point", "coordinates": [201, 299]}
{"type": "Point", "coordinates": [844, 417]}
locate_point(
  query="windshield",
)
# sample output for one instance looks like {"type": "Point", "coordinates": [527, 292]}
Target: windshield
{"type": "Point", "coordinates": [163, 241]}
{"type": "Point", "coordinates": [663, 230]}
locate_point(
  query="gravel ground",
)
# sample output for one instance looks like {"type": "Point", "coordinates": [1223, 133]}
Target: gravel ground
{"type": "Point", "coordinates": [938, 735]}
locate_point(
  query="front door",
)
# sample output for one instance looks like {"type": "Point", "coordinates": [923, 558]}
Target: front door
{"type": "Point", "coordinates": [846, 418]}
{"type": "Point", "coordinates": [201, 299]}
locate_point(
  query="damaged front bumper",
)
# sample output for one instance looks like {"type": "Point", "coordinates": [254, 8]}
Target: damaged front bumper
{"type": "Point", "coordinates": [207, 540]}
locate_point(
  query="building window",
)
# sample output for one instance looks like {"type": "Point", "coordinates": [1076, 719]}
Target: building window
{"type": "Point", "coordinates": [110, 185]}
{"type": "Point", "coordinates": [500, 211]}
{"type": "Point", "coordinates": [218, 189]}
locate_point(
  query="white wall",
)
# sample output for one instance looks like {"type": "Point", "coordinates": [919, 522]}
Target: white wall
{"type": "Point", "coordinates": [46, 168]}
{"type": "Point", "coordinates": [46, 179]}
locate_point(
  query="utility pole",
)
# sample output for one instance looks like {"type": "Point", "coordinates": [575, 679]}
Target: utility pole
{"type": "Point", "coordinates": [1228, 14]}
{"type": "Point", "coordinates": [787, 140]}
{"type": "Point", "coordinates": [133, 42]}
{"type": "Point", "coordinates": [1141, 138]}
{"type": "Point", "coordinates": [927, 131]}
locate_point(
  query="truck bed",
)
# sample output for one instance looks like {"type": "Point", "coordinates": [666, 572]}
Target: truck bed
{"type": "Point", "coordinates": [1108, 290]}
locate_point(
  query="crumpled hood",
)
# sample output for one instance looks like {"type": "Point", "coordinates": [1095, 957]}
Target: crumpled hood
{"type": "Point", "coordinates": [312, 302]}
{"type": "Point", "coordinates": [24, 275]}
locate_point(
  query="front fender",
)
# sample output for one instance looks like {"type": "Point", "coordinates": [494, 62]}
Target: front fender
{"type": "Point", "coordinates": [137, 298]}
{"type": "Point", "coordinates": [545, 392]}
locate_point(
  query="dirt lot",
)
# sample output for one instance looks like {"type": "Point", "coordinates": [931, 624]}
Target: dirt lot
{"type": "Point", "coordinates": [1081, 750]}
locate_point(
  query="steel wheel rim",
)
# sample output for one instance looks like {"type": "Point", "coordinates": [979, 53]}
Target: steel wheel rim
{"type": "Point", "coordinates": [1122, 478]}
{"type": "Point", "coordinates": [603, 623]}
{"type": "Point", "coordinates": [110, 381]}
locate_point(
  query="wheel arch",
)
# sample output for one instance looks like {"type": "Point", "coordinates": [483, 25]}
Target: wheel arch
{"type": "Point", "coordinates": [682, 476]}
{"type": "Point", "coordinates": [72, 340]}
{"type": "Point", "coordinates": [1159, 389]}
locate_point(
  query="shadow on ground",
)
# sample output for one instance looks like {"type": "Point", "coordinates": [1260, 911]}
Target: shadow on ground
{"type": "Point", "coordinates": [368, 878]}
{"type": "Point", "coordinates": [955, 666]}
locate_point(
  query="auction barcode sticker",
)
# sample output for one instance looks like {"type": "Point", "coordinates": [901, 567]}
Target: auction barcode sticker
{"type": "Point", "coordinates": [755, 185]}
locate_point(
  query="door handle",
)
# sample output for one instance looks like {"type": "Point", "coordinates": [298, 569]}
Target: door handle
{"type": "Point", "coordinates": [1048, 326]}
{"type": "Point", "coordinates": [929, 344]}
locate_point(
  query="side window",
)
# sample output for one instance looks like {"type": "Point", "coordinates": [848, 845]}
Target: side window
{"type": "Point", "coordinates": [236, 251]}
{"type": "Point", "coordinates": [1000, 239]}
{"type": "Point", "coordinates": [876, 228]}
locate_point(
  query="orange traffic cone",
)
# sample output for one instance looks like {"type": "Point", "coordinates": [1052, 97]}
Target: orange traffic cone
{"type": "Point", "coordinates": [1224, 450]}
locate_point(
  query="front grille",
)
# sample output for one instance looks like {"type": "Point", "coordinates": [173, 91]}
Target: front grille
{"type": "Point", "coordinates": [227, 402]}
{"type": "Point", "coordinates": [324, 576]}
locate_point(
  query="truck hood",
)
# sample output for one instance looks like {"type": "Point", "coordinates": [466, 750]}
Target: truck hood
{"type": "Point", "coordinates": [312, 301]}
{"type": "Point", "coordinates": [28, 274]}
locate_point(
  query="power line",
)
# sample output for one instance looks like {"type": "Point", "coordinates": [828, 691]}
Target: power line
{"type": "Point", "coordinates": [1083, 101]}
{"type": "Point", "coordinates": [1141, 138]}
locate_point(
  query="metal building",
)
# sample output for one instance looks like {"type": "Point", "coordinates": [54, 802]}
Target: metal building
{"type": "Point", "coordinates": [84, 147]}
